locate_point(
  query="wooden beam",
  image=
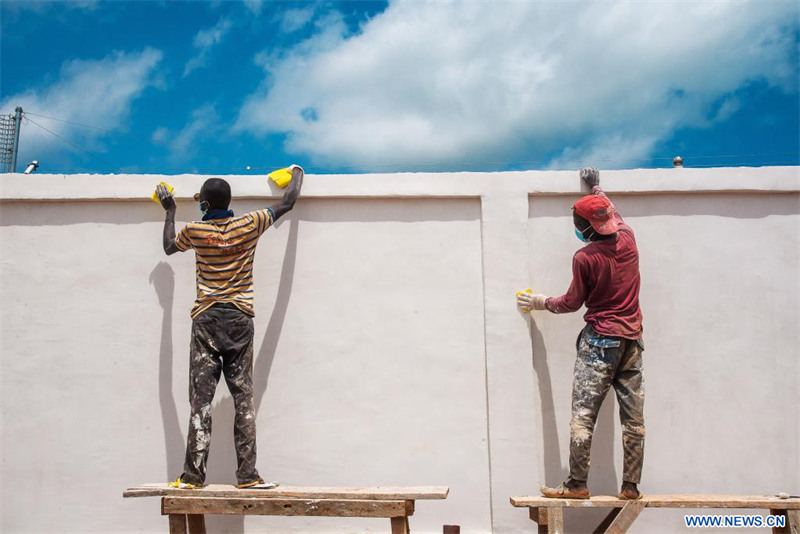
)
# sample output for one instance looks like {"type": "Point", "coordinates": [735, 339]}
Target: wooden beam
{"type": "Point", "coordinates": [177, 524]}
{"type": "Point", "coordinates": [623, 521]}
{"type": "Point", "coordinates": [539, 515]}
{"type": "Point", "coordinates": [400, 525]}
{"type": "Point", "coordinates": [555, 521]}
{"type": "Point", "coordinates": [607, 520]}
{"type": "Point", "coordinates": [286, 507]}
{"type": "Point", "coordinates": [379, 493]}
{"type": "Point", "coordinates": [197, 523]}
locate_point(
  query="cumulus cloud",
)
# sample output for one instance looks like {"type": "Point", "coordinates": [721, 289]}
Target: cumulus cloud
{"type": "Point", "coordinates": [205, 41]}
{"type": "Point", "coordinates": [94, 92]}
{"type": "Point", "coordinates": [204, 123]}
{"type": "Point", "coordinates": [254, 5]}
{"type": "Point", "coordinates": [294, 19]}
{"type": "Point", "coordinates": [518, 81]}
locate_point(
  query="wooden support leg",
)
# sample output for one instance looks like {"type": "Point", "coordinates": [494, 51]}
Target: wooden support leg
{"type": "Point", "coordinates": [177, 524]}
{"type": "Point", "coordinates": [555, 520]}
{"type": "Point", "coordinates": [400, 525]}
{"type": "Point", "coordinates": [625, 518]}
{"type": "Point", "coordinates": [606, 522]}
{"type": "Point", "coordinates": [792, 522]}
{"type": "Point", "coordinates": [451, 529]}
{"type": "Point", "coordinates": [540, 516]}
{"type": "Point", "coordinates": [197, 523]}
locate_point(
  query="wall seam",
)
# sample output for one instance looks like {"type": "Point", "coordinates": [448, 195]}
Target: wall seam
{"type": "Point", "coordinates": [486, 368]}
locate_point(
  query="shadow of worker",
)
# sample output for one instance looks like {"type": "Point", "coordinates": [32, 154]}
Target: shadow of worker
{"type": "Point", "coordinates": [162, 278]}
{"type": "Point", "coordinates": [602, 476]}
{"type": "Point", "coordinates": [222, 455]}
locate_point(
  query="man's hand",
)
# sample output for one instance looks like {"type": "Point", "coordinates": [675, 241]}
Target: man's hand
{"type": "Point", "coordinates": [286, 203]}
{"type": "Point", "coordinates": [591, 176]}
{"type": "Point", "coordinates": [165, 197]}
{"type": "Point", "coordinates": [530, 301]}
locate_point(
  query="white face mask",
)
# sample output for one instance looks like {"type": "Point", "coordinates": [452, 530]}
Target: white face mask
{"type": "Point", "coordinates": [204, 205]}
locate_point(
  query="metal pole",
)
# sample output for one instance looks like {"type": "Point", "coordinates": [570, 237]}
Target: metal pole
{"type": "Point", "coordinates": [18, 121]}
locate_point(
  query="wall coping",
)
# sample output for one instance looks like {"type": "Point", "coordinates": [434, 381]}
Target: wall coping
{"type": "Point", "coordinates": [128, 187]}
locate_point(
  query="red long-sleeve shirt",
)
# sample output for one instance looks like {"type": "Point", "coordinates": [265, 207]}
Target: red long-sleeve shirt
{"type": "Point", "coordinates": [605, 277]}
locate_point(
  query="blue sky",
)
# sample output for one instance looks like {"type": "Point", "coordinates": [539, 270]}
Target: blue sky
{"type": "Point", "coordinates": [213, 87]}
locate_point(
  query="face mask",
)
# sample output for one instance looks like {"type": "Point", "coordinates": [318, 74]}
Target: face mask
{"type": "Point", "coordinates": [204, 205]}
{"type": "Point", "coordinates": [580, 236]}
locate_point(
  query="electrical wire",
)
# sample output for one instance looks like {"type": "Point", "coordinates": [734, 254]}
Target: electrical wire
{"type": "Point", "coordinates": [98, 128]}
{"type": "Point", "coordinates": [73, 144]}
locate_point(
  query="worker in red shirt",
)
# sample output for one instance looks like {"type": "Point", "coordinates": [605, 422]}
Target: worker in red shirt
{"type": "Point", "coordinates": [605, 277]}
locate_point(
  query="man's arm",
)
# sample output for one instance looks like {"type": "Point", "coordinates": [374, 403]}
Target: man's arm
{"type": "Point", "coordinates": [569, 302]}
{"type": "Point", "coordinates": [168, 203]}
{"type": "Point", "coordinates": [286, 203]}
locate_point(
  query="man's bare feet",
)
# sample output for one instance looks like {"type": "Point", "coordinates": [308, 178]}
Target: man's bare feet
{"type": "Point", "coordinates": [571, 489]}
{"type": "Point", "coordinates": [629, 491]}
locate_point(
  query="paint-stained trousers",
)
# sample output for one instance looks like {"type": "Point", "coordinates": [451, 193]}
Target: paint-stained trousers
{"type": "Point", "coordinates": [603, 362]}
{"type": "Point", "coordinates": [222, 343]}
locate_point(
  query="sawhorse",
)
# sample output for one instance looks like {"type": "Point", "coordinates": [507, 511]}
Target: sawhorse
{"type": "Point", "coordinates": [187, 508]}
{"type": "Point", "coordinates": [549, 513]}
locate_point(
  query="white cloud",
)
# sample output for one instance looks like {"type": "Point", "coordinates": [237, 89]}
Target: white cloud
{"type": "Point", "coordinates": [93, 92]}
{"type": "Point", "coordinates": [254, 5]}
{"type": "Point", "coordinates": [205, 41]}
{"type": "Point", "coordinates": [517, 81]}
{"type": "Point", "coordinates": [294, 19]}
{"type": "Point", "coordinates": [203, 124]}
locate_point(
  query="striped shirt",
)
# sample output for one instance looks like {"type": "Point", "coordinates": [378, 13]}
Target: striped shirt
{"type": "Point", "coordinates": [224, 252]}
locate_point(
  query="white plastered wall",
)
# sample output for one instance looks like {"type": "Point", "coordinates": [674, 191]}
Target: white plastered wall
{"type": "Point", "coordinates": [389, 350]}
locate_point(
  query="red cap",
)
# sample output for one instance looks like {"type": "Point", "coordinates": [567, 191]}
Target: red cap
{"type": "Point", "coordinates": [599, 211]}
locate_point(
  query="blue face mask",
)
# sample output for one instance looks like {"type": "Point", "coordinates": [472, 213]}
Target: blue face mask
{"type": "Point", "coordinates": [581, 236]}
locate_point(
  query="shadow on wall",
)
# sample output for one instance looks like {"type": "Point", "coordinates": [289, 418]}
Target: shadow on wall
{"type": "Point", "coordinates": [602, 477]}
{"type": "Point", "coordinates": [162, 278]}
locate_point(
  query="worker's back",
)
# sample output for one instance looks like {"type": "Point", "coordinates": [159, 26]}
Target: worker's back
{"type": "Point", "coordinates": [225, 250]}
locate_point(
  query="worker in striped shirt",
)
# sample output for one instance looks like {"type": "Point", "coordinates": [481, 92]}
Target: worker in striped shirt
{"type": "Point", "coordinates": [222, 317]}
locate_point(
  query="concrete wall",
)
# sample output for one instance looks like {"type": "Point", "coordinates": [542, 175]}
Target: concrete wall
{"type": "Point", "coordinates": [389, 348]}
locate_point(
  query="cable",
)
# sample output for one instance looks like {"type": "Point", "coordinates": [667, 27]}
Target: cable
{"type": "Point", "coordinates": [73, 145]}
{"type": "Point", "coordinates": [118, 132]}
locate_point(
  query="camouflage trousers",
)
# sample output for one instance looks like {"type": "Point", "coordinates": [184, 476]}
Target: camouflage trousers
{"type": "Point", "coordinates": [222, 343]}
{"type": "Point", "coordinates": [603, 362]}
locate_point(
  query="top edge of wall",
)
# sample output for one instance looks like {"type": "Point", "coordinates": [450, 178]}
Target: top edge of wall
{"type": "Point", "coordinates": [118, 187]}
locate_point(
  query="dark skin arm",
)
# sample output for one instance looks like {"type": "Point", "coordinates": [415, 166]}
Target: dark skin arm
{"type": "Point", "coordinates": [168, 203]}
{"type": "Point", "coordinates": [286, 203]}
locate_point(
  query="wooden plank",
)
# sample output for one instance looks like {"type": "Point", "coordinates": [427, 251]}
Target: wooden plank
{"type": "Point", "coordinates": [285, 507]}
{"type": "Point", "coordinates": [539, 515]}
{"type": "Point", "coordinates": [378, 493]}
{"type": "Point", "coordinates": [400, 525]}
{"type": "Point", "coordinates": [607, 520]}
{"type": "Point", "coordinates": [177, 524]}
{"type": "Point", "coordinates": [666, 501]}
{"type": "Point", "coordinates": [197, 523]}
{"type": "Point", "coordinates": [555, 521]}
{"type": "Point", "coordinates": [625, 518]}
{"type": "Point", "coordinates": [793, 521]}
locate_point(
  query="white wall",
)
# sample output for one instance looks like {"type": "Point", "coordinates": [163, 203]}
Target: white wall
{"type": "Point", "coordinates": [389, 349]}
